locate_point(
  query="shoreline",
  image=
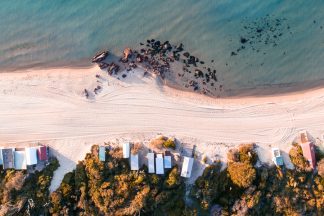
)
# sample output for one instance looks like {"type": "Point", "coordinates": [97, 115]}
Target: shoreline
{"type": "Point", "coordinates": [260, 91]}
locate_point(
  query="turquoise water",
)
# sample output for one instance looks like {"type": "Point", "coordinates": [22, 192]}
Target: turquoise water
{"type": "Point", "coordinates": [58, 33]}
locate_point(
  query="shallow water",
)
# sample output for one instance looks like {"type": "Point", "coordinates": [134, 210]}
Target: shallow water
{"type": "Point", "coordinates": [287, 37]}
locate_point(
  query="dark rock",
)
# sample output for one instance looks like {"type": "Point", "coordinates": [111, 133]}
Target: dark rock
{"type": "Point", "coordinates": [86, 93]}
{"type": "Point", "coordinates": [113, 68]}
{"type": "Point", "coordinates": [102, 65]}
{"type": "Point", "coordinates": [141, 44]}
{"type": "Point", "coordinates": [139, 58]}
{"type": "Point", "coordinates": [186, 54]}
{"type": "Point", "coordinates": [180, 48]}
{"type": "Point", "coordinates": [157, 43]}
{"type": "Point", "coordinates": [233, 53]}
{"type": "Point", "coordinates": [199, 73]}
{"type": "Point", "coordinates": [243, 40]}
{"type": "Point", "coordinates": [124, 75]}
{"type": "Point", "coordinates": [202, 62]}
{"type": "Point", "coordinates": [100, 57]}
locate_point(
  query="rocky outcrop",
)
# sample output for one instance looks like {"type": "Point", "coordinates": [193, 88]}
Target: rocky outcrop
{"type": "Point", "coordinates": [100, 57]}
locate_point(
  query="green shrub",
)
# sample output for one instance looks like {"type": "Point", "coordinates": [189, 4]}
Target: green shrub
{"type": "Point", "coordinates": [169, 143]}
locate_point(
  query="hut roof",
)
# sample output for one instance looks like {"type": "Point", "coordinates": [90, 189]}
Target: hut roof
{"type": "Point", "coordinates": [31, 155]}
{"type": "Point", "coordinates": [7, 158]}
{"type": "Point", "coordinates": [126, 150]}
{"type": "Point", "coordinates": [134, 162]}
{"type": "Point", "coordinates": [102, 153]}
{"type": "Point", "coordinates": [167, 162]}
{"type": "Point", "coordinates": [150, 158]}
{"type": "Point", "coordinates": [159, 164]}
{"type": "Point", "coordinates": [20, 160]}
{"type": "Point", "coordinates": [309, 153]}
{"type": "Point", "coordinates": [42, 153]}
{"type": "Point", "coordinates": [187, 167]}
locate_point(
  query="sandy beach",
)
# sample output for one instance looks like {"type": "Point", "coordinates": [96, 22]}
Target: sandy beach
{"type": "Point", "coordinates": [49, 106]}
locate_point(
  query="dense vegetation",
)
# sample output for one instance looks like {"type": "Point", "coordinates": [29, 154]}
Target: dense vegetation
{"type": "Point", "coordinates": [21, 193]}
{"type": "Point", "coordinates": [241, 189]}
{"type": "Point", "coordinates": [111, 188]}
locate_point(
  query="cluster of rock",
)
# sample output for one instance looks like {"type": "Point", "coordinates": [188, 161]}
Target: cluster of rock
{"type": "Point", "coordinates": [155, 57]}
{"type": "Point", "coordinates": [262, 32]}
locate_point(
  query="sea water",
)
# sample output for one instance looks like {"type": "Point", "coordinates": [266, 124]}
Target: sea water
{"type": "Point", "coordinates": [250, 43]}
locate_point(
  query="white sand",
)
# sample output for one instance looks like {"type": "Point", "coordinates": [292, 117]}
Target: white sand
{"type": "Point", "coordinates": [48, 106]}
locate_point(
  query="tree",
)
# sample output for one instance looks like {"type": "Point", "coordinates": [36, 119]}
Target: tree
{"type": "Point", "coordinates": [241, 174]}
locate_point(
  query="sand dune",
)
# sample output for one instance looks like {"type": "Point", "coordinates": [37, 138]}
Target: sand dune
{"type": "Point", "coordinates": [48, 106]}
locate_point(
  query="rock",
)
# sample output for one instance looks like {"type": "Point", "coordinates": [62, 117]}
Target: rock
{"type": "Point", "coordinates": [113, 68]}
{"type": "Point", "coordinates": [233, 53]}
{"type": "Point", "coordinates": [97, 89]}
{"type": "Point", "coordinates": [199, 73]}
{"type": "Point", "coordinates": [180, 48]}
{"type": "Point", "coordinates": [186, 54]}
{"type": "Point", "coordinates": [243, 40]}
{"type": "Point", "coordinates": [132, 65]}
{"type": "Point", "coordinates": [124, 75]}
{"type": "Point", "coordinates": [102, 65]}
{"type": "Point", "coordinates": [139, 58]}
{"type": "Point", "coordinates": [127, 54]}
{"type": "Point", "coordinates": [86, 93]}
{"type": "Point", "coordinates": [157, 43]}
{"type": "Point", "coordinates": [100, 57]}
{"type": "Point", "coordinates": [202, 62]}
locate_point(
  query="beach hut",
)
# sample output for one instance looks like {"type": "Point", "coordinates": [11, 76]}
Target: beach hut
{"type": "Point", "coordinates": [134, 162]}
{"type": "Point", "coordinates": [187, 167]}
{"type": "Point", "coordinates": [151, 164]}
{"type": "Point", "coordinates": [102, 153]}
{"type": "Point", "coordinates": [20, 160]}
{"type": "Point", "coordinates": [7, 158]}
{"type": "Point", "coordinates": [126, 150]}
{"type": "Point", "coordinates": [42, 153]}
{"type": "Point", "coordinates": [31, 155]}
{"type": "Point", "coordinates": [276, 157]}
{"type": "Point", "coordinates": [167, 162]}
{"type": "Point", "coordinates": [309, 153]}
{"type": "Point", "coordinates": [159, 164]}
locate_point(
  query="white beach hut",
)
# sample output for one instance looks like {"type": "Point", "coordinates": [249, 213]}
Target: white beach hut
{"type": "Point", "coordinates": [187, 167]}
{"type": "Point", "coordinates": [134, 162]}
{"type": "Point", "coordinates": [151, 165]}
{"type": "Point", "coordinates": [159, 164]}
{"type": "Point", "coordinates": [31, 156]}
{"type": "Point", "coordinates": [126, 150]}
{"type": "Point", "coordinates": [20, 160]}
{"type": "Point", "coordinates": [167, 162]}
